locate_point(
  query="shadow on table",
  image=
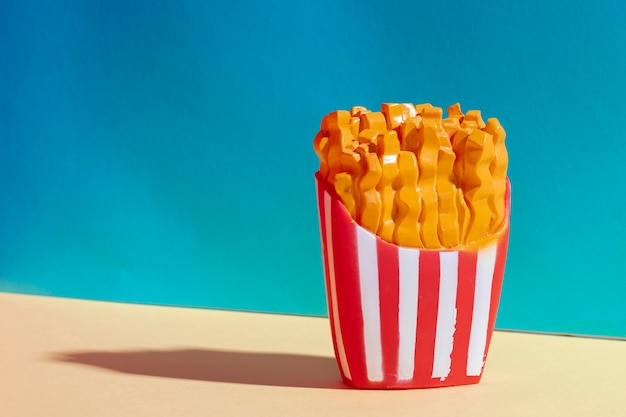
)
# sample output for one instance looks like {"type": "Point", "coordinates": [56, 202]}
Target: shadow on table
{"type": "Point", "coordinates": [258, 368]}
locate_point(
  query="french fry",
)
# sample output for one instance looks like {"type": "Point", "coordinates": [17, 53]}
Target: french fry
{"type": "Point", "coordinates": [409, 137]}
{"type": "Point", "coordinates": [340, 140]}
{"type": "Point", "coordinates": [336, 120]}
{"type": "Point", "coordinates": [368, 137]}
{"type": "Point", "coordinates": [474, 116]}
{"type": "Point", "coordinates": [320, 144]}
{"type": "Point", "coordinates": [345, 181]}
{"type": "Point", "coordinates": [434, 113]}
{"type": "Point", "coordinates": [407, 202]}
{"type": "Point", "coordinates": [396, 113]}
{"type": "Point", "coordinates": [464, 215]}
{"type": "Point", "coordinates": [454, 112]}
{"type": "Point", "coordinates": [357, 111]}
{"type": "Point", "coordinates": [478, 184]}
{"type": "Point", "coordinates": [355, 126]}
{"type": "Point", "coordinates": [370, 205]}
{"type": "Point", "coordinates": [419, 108]}
{"type": "Point", "coordinates": [498, 172]}
{"type": "Point", "coordinates": [374, 121]}
{"type": "Point", "coordinates": [451, 125]}
{"type": "Point", "coordinates": [427, 156]}
{"type": "Point", "coordinates": [350, 163]}
{"type": "Point", "coordinates": [459, 141]}
{"type": "Point", "coordinates": [344, 186]}
{"type": "Point", "coordinates": [448, 225]}
{"type": "Point", "coordinates": [387, 150]}
{"type": "Point", "coordinates": [458, 137]}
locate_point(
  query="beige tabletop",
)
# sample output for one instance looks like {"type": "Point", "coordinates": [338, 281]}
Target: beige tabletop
{"type": "Point", "coordinates": [65, 357]}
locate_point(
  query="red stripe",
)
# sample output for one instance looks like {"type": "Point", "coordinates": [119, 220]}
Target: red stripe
{"type": "Point", "coordinates": [496, 287]}
{"type": "Point", "coordinates": [348, 290]}
{"type": "Point", "coordinates": [426, 315]}
{"type": "Point", "coordinates": [464, 307]}
{"type": "Point", "coordinates": [498, 274]}
{"type": "Point", "coordinates": [323, 232]}
{"type": "Point", "coordinates": [389, 295]}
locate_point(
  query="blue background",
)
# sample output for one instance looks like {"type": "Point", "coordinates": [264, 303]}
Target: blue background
{"type": "Point", "coordinates": [160, 152]}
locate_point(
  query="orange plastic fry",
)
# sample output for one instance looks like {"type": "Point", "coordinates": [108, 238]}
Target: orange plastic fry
{"type": "Point", "coordinates": [464, 215]}
{"type": "Point", "coordinates": [368, 136]}
{"type": "Point", "coordinates": [345, 180]}
{"type": "Point", "coordinates": [388, 150]}
{"type": "Point", "coordinates": [375, 121]}
{"type": "Point", "coordinates": [357, 111]}
{"type": "Point", "coordinates": [397, 113]}
{"type": "Point", "coordinates": [474, 116]}
{"type": "Point", "coordinates": [320, 144]}
{"type": "Point", "coordinates": [407, 202]}
{"type": "Point", "coordinates": [458, 146]}
{"type": "Point", "coordinates": [335, 120]}
{"type": "Point", "coordinates": [454, 112]}
{"type": "Point", "coordinates": [355, 126]}
{"type": "Point", "coordinates": [498, 169]}
{"type": "Point", "coordinates": [427, 156]}
{"type": "Point", "coordinates": [409, 136]}
{"type": "Point", "coordinates": [419, 108]}
{"type": "Point", "coordinates": [370, 205]}
{"type": "Point", "coordinates": [478, 184]}
{"type": "Point", "coordinates": [340, 140]}
{"type": "Point", "coordinates": [469, 124]}
{"type": "Point", "coordinates": [432, 113]}
{"type": "Point", "coordinates": [345, 189]}
{"type": "Point", "coordinates": [350, 163]}
{"type": "Point", "coordinates": [451, 125]}
{"type": "Point", "coordinates": [448, 226]}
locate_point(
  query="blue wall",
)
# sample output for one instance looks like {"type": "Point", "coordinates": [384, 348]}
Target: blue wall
{"type": "Point", "coordinates": [160, 152]}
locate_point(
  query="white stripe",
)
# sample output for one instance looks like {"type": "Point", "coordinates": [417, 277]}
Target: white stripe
{"type": "Point", "coordinates": [485, 266]}
{"type": "Point", "coordinates": [333, 286]}
{"type": "Point", "coordinates": [370, 303]}
{"type": "Point", "coordinates": [446, 313]}
{"type": "Point", "coordinates": [407, 311]}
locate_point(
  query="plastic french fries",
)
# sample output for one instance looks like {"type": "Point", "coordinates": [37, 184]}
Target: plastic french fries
{"type": "Point", "coordinates": [337, 119]}
{"type": "Point", "coordinates": [415, 177]}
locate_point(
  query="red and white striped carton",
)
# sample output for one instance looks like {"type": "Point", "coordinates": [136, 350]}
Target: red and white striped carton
{"type": "Point", "coordinates": [403, 317]}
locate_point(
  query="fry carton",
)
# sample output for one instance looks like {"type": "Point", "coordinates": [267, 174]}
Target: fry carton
{"type": "Point", "coordinates": [414, 227]}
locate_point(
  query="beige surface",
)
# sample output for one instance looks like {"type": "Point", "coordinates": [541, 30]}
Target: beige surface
{"type": "Point", "coordinates": [62, 357]}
